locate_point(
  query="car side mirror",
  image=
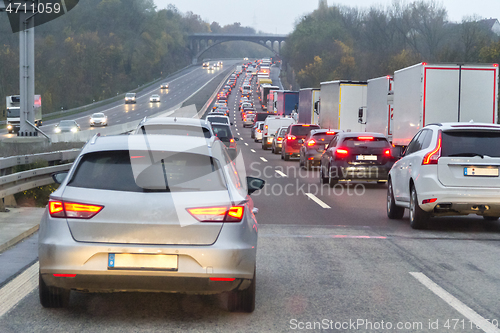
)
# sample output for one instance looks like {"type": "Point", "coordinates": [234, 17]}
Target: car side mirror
{"type": "Point", "coordinates": [236, 139]}
{"type": "Point", "coordinates": [254, 184]}
{"type": "Point", "coordinates": [232, 124]}
{"type": "Point", "coordinates": [59, 177]}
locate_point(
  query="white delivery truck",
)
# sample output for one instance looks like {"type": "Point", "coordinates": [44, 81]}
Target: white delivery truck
{"type": "Point", "coordinates": [309, 106]}
{"type": "Point", "coordinates": [340, 104]}
{"type": "Point", "coordinates": [271, 124]}
{"type": "Point", "coordinates": [378, 113]}
{"type": "Point", "coordinates": [13, 104]}
{"type": "Point", "coordinates": [434, 93]}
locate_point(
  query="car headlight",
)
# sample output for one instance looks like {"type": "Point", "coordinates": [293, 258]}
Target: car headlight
{"type": "Point", "coordinates": [57, 130]}
{"type": "Point", "coordinates": [9, 126]}
{"type": "Point", "coordinates": [74, 129]}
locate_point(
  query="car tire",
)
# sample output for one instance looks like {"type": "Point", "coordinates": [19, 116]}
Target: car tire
{"type": "Point", "coordinates": [491, 218]}
{"type": "Point", "coordinates": [418, 217]}
{"type": "Point", "coordinates": [308, 166]}
{"type": "Point", "coordinates": [264, 146]}
{"type": "Point", "coordinates": [52, 297]}
{"type": "Point", "coordinates": [331, 180]}
{"type": "Point", "coordinates": [301, 164]}
{"type": "Point", "coordinates": [286, 156]}
{"type": "Point", "coordinates": [322, 179]}
{"type": "Point", "coordinates": [393, 211]}
{"type": "Point", "coordinates": [243, 300]}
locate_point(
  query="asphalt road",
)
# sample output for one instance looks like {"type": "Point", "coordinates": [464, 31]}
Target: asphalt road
{"type": "Point", "coordinates": [328, 262]}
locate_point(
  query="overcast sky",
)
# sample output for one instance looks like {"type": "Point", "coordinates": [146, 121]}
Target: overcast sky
{"type": "Point", "coordinates": [279, 16]}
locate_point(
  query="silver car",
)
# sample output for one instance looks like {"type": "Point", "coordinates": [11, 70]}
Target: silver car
{"type": "Point", "coordinates": [150, 213]}
{"type": "Point", "coordinates": [175, 126]}
{"type": "Point", "coordinates": [98, 119]}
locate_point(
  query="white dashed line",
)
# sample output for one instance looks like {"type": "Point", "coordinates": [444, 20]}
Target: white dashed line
{"type": "Point", "coordinates": [281, 174]}
{"type": "Point", "coordinates": [263, 159]}
{"type": "Point", "coordinates": [318, 201]}
{"type": "Point", "coordinates": [246, 144]}
{"type": "Point", "coordinates": [467, 312]}
{"type": "Point", "coordinates": [253, 151]}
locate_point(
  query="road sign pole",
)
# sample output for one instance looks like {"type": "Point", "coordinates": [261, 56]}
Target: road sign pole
{"type": "Point", "coordinates": [27, 73]}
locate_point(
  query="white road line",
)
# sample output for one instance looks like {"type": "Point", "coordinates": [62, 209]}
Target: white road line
{"type": "Point", "coordinates": [238, 133]}
{"type": "Point", "coordinates": [14, 291]}
{"type": "Point", "coordinates": [467, 312]}
{"type": "Point", "coordinates": [253, 151]}
{"type": "Point", "coordinates": [262, 158]}
{"type": "Point", "coordinates": [318, 201]}
{"type": "Point", "coordinates": [281, 173]}
{"type": "Point", "coordinates": [246, 144]}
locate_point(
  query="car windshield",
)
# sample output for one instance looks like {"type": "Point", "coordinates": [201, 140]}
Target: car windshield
{"type": "Point", "coordinates": [471, 143]}
{"type": "Point", "coordinates": [130, 95]}
{"type": "Point", "coordinates": [183, 130]}
{"type": "Point", "coordinates": [177, 171]}
{"type": "Point", "coordinates": [67, 123]}
{"type": "Point", "coordinates": [322, 137]}
{"type": "Point", "coordinates": [98, 115]}
{"type": "Point", "coordinates": [222, 131]}
{"type": "Point", "coordinates": [354, 142]}
{"type": "Point", "coordinates": [213, 119]}
{"type": "Point", "coordinates": [302, 130]}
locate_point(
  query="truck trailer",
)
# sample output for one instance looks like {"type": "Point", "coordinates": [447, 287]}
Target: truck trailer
{"type": "Point", "coordinates": [434, 93]}
{"type": "Point", "coordinates": [340, 104]}
{"type": "Point", "coordinates": [309, 106]}
{"type": "Point", "coordinates": [286, 102]}
{"type": "Point", "coordinates": [378, 114]}
{"type": "Point", "coordinates": [265, 90]}
{"type": "Point", "coordinates": [13, 104]}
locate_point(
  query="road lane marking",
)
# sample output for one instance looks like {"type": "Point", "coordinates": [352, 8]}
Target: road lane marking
{"type": "Point", "coordinates": [262, 158]}
{"type": "Point", "coordinates": [246, 144]}
{"type": "Point", "coordinates": [253, 151]}
{"type": "Point", "coordinates": [281, 173]}
{"type": "Point", "coordinates": [318, 201]}
{"type": "Point", "coordinates": [467, 312]}
{"type": "Point", "coordinates": [14, 291]}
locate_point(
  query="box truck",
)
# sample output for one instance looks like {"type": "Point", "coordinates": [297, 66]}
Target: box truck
{"type": "Point", "coordinates": [13, 104]}
{"type": "Point", "coordinates": [309, 106]}
{"type": "Point", "coordinates": [265, 90]}
{"type": "Point", "coordinates": [340, 104]}
{"type": "Point", "coordinates": [433, 93]}
{"type": "Point", "coordinates": [271, 101]}
{"type": "Point", "coordinates": [286, 102]}
{"type": "Point", "coordinates": [378, 113]}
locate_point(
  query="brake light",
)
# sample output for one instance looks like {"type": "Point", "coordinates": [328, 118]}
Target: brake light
{"type": "Point", "coordinates": [387, 153]}
{"type": "Point", "coordinates": [365, 137]}
{"type": "Point", "coordinates": [291, 137]}
{"type": "Point", "coordinates": [221, 279]}
{"type": "Point", "coordinates": [231, 140]}
{"type": "Point", "coordinates": [306, 125]}
{"type": "Point", "coordinates": [267, 127]}
{"type": "Point", "coordinates": [259, 130]}
{"type": "Point", "coordinates": [73, 210]}
{"type": "Point", "coordinates": [218, 214]}
{"type": "Point", "coordinates": [311, 143]}
{"type": "Point", "coordinates": [429, 200]}
{"type": "Point", "coordinates": [341, 152]}
{"type": "Point", "coordinates": [330, 133]}
{"type": "Point", "coordinates": [64, 275]}
{"type": "Point", "coordinates": [280, 138]}
{"type": "Point", "coordinates": [433, 156]}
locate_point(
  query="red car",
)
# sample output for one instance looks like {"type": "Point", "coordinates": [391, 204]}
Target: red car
{"type": "Point", "coordinates": [294, 134]}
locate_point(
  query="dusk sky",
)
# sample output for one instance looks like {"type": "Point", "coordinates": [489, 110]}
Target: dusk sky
{"type": "Point", "coordinates": [279, 16]}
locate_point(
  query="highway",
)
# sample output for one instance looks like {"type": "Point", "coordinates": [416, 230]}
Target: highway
{"type": "Point", "coordinates": [327, 260]}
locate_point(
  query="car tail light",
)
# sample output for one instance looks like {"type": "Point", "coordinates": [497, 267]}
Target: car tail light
{"type": "Point", "coordinates": [429, 201]}
{"type": "Point", "coordinates": [73, 210]}
{"type": "Point", "coordinates": [311, 143]}
{"type": "Point", "coordinates": [218, 214]}
{"type": "Point", "coordinates": [365, 137]}
{"type": "Point", "coordinates": [387, 153]}
{"type": "Point", "coordinates": [221, 279]}
{"type": "Point", "coordinates": [259, 130]}
{"type": "Point", "coordinates": [267, 127]}
{"type": "Point", "coordinates": [433, 156]}
{"type": "Point", "coordinates": [341, 152]}
{"type": "Point", "coordinates": [279, 139]}
{"type": "Point", "coordinates": [330, 133]}
{"type": "Point", "coordinates": [291, 137]}
{"type": "Point", "coordinates": [65, 275]}
{"type": "Point", "coordinates": [306, 125]}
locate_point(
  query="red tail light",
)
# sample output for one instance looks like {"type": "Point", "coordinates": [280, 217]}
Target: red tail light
{"type": "Point", "coordinates": [365, 137]}
{"type": "Point", "coordinates": [218, 214]}
{"type": "Point", "coordinates": [330, 133]}
{"type": "Point", "coordinates": [433, 156]}
{"type": "Point", "coordinates": [387, 153]}
{"type": "Point", "coordinates": [291, 137]}
{"type": "Point", "coordinates": [73, 210]}
{"type": "Point", "coordinates": [341, 152]}
{"type": "Point", "coordinates": [429, 201]}
{"type": "Point", "coordinates": [65, 275]}
{"type": "Point", "coordinates": [259, 130]}
{"type": "Point", "coordinates": [306, 125]}
{"type": "Point", "coordinates": [279, 138]}
{"type": "Point", "coordinates": [221, 279]}
{"type": "Point", "coordinates": [311, 143]}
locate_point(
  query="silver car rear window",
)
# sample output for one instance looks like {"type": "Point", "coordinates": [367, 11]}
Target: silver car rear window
{"type": "Point", "coordinates": [471, 143]}
{"type": "Point", "coordinates": [184, 130]}
{"type": "Point", "coordinates": [113, 170]}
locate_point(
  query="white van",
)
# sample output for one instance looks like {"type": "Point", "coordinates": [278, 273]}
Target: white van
{"type": "Point", "coordinates": [271, 124]}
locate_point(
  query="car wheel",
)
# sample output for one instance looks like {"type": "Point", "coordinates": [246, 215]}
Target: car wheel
{"type": "Point", "coordinates": [393, 211]}
{"type": "Point", "coordinates": [322, 179]}
{"type": "Point", "coordinates": [264, 146]}
{"type": "Point", "coordinates": [273, 150]}
{"type": "Point", "coordinates": [490, 218]}
{"type": "Point", "coordinates": [418, 217]}
{"type": "Point", "coordinates": [52, 297]}
{"type": "Point", "coordinates": [282, 156]}
{"type": "Point", "coordinates": [243, 300]}
{"type": "Point", "coordinates": [332, 181]}
{"type": "Point", "coordinates": [287, 157]}
{"type": "Point", "coordinates": [301, 164]}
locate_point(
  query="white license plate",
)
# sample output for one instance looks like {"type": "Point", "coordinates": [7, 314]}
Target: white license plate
{"type": "Point", "coordinates": [481, 171]}
{"type": "Point", "coordinates": [366, 157]}
{"type": "Point", "coordinates": [164, 262]}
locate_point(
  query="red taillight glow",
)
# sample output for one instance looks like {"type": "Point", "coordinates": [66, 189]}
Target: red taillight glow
{"type": "Point", "coordinates": [221, 279]}
{"type": "Point", "coordinates": [267, 127]}
{"type": "Point", "coordinates": [259, 130]}
{"type": "Point", "coordinates": [218, 214]}
{"type": "Point", "coordinates": [65, 275]}
{"type": "Point", "coordinates": [306, 125]}
{"type": "Point", "coordinates": [387, 152]}
{"type": "Point", "coordinates": [279, 139]}
{"type": "Point", "coordinates": [341, 152]}
{"type": "Point", "coordinates": [73, 210]}
{"type": "Point", "coordinates": [424, 63]}
{"type": "Point", "coordinates": [365, 138]}
{"type": "Point", "coordinates": [495, 65]}
{"type": "Point", "coordinates": [311, 143]}
{"type": "Point", "coordinates": [330, 133]}
{"type": "Point", "coordinates": [433, 156]}
{"type": "Point", "coordinates": [428, 201]}
{"type": "Point", "coordinates": [291, 137]}
{"type": "Point", "coordinates": [231, 140]}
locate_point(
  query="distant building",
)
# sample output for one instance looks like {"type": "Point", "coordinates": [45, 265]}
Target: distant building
{"type": "Point", "coordinates": [493, 25]}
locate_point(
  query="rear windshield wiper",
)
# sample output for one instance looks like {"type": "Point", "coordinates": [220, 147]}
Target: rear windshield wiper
{"type": "Point", "coordinates": [466, 155]}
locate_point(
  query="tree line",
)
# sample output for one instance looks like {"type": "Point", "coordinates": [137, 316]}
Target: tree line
{"type": "Point", "coordinates": [103, 48]}
{"type": "Point", "coordinates": [341, 42]}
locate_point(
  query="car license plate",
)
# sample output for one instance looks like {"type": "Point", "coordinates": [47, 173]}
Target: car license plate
{"type": "Point", "coordinates": [163, 262]}
{"type": "Point", "coordinates": [481, 171]}
{"type": "Point", "coordinates": [366, 157]}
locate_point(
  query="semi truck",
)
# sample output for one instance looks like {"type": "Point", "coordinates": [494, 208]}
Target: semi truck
{"type": "Point", "coordinates": [13, 104]}
{"type": "Point", "coordinates": [286, 102]}
{"type": "Point", "coordinates": [271, 101]}
{"type": "Point", "coordinates": [340, 104]}
{"type": "Point", "coordinates": [433, 93]}
{"type": "Point", "coordinates": [309, 106]}
{"type": "Point", "coordinates": [265, 90]}
{"type": "Point", "coordinates": [378, 114]}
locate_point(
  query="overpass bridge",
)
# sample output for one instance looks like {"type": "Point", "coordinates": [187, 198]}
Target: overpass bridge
{"type": "Point", "coordinates": [199, 43]}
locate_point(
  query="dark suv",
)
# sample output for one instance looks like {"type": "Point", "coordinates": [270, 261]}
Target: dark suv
{"type": "Point", "coordinates": [356, 156]}
{"type": "Point", "coordinates": [294, 134]}
{"type": "Point", "coordinates": [313, 146]}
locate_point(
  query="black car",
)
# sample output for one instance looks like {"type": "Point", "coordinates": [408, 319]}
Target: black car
{"type": "Point", "coordinates": [313, 146]}
{"type": "Point", "coordinates": [356, 156]}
